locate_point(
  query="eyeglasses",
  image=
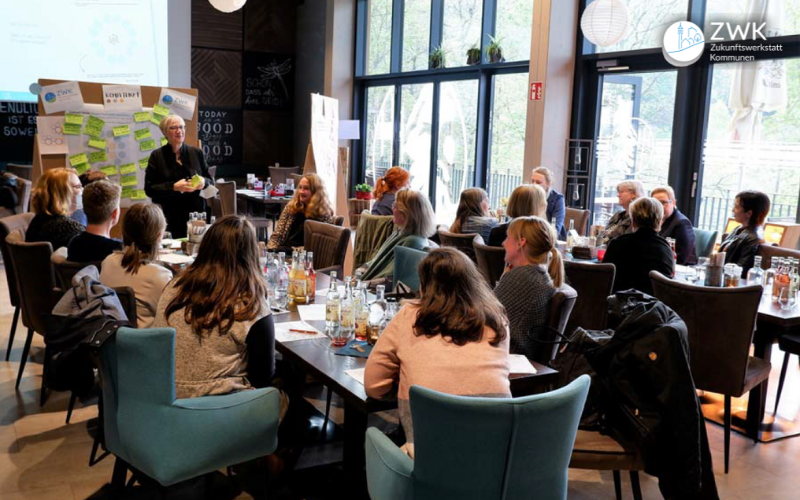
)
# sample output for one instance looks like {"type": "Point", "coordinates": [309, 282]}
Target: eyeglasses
{"type": "Point", "coordinates": [177, 127]}
{"type": "Point", "coordinates": [77, 187]}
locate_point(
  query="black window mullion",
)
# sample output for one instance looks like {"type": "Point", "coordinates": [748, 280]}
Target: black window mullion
{"type": "Point", "coordinates": [398, 8]}
{"type": "Point", "coordinates": [483, 146]}
{"type": "Point", "coordinates": [362, 9]}
{"type": "Point", "coordinates": [434, 142]}
{"type": "Point", "coordinates": [397, 117]}
{"type": "Point", "coordinates": [488, 26]}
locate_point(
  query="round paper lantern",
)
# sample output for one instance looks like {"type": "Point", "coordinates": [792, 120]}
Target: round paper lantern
{"type": "Point", "coordinates": [604, 22]}
{"type": "Point", "coordinates": [228, 5]}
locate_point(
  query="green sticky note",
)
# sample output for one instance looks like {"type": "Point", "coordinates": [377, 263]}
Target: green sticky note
{"type": "Point", "coordinates": [138, 195]}
{"type": "Point", "coordinates": [196, 181]}
{"type": "Point", "coordinates": [94, 121]}
{"type": "Point", "coordinates": [143, 163]}
{"type": "Point", "coordinates": [142, 133]}
{"type": "Point", "coordinates": [128, 180]}
{"type": "Point", "coordinates": [127, 192]}
{"type": "Point", "coordinates": [128, 168]}
{"type": "Point", "coordinates": [156, 120]}
{"type": "Point", "coordinates": [73, 119]}
{"type": "Point", "coordinates": [109, 170]}
{"type": "Point", "coordinates": [98, 157]}
{"type": "Point", "coordinates": [147, 145]}
{"type": "Point", "coordinates": [121, 130]}
{"type": "Point", "coordinates": [78, 159]}
{"type": "Point", "coordinates": [72, 129]}
{"type": "Point", "coordinates": [164, 141]}
{"type": "Point", "coordinates": [141, 116]}
{"type": "Point", "coordinates": [97, 144]}
{"type": "Point", "coordinates": [160, 110]}
{"type": "Point", "coordinates": [92, 130]}
{"type": "Point", "coordinates": [82, 168]}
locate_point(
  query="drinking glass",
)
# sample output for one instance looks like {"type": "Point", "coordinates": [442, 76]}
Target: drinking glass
{"type": "Point", "coordinates": [281, 298]}
{"type": "Point", "coordinates": [339, 337]}
{"type": "Point", "coordinates": [784, 299]}
{"type": "Point", "coordinates": [691, 275]}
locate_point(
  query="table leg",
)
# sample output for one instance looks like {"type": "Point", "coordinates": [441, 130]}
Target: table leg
{"type": "Point", "coordinates": [756, 404]}
{"type": "Point", "coordinates": [355, 430]}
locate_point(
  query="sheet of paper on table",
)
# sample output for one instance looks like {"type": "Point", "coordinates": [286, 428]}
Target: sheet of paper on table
{"type": "Point", "coordinates": [175, 258]}
{"type": "Point", "coordinates": [282, 333]}
{"type": "Point", "coordinates": [173, 244]}
{"type": "Point", "coordinates": [679, 269]}
{"type": "Point", "coordinates": [519, 365]}
{"type": "Point", "coordinates": [312, 312]}
{"type": "Point", "coordinates": [357, 373]}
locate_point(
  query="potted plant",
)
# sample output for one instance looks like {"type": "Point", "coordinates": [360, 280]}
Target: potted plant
{"type": "Point", "coordinates": [363, 191]}
{"type": "Point", "coordinates": [493, 51]}
{"type": "Point", "coordinates": [473, 55]}
{"type": "Point", "coordinates": [436, 59]}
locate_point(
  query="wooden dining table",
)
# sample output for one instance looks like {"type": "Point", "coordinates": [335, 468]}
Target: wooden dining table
{"type": "Point", "coordinates": [318, 358]}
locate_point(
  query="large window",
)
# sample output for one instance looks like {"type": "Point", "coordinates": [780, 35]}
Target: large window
{"type": "Point", "coordinates": [416, 113]}
{"type": "Point", "coordinates": [508, 135]}
{"type": "Point", "coordinates": [380, 131]}
{"type": "Point", "coordinates": [647, 21]}
{"type": "Point", "coordinates": [514, 18]}
{"type": "Point", "coordinates": [380, 36]}
{"type": "Point", "coordinates": [416, 34]}
{"type": "Point", "coordinates": [462, 30]}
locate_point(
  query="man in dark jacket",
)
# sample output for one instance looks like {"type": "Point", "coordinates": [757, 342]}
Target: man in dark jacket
{"type": "Point", "coordinates": [676, 226]}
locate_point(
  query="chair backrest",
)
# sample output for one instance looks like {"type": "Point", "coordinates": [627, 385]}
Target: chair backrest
{"type": "Point", "coordinates": [371, 233]}
{"type": "Point", "coordinates": [328, 242]}
{"type": "Point", "coordinates": [462, 242]}
{"type": "Point", "coordinates": [227, 197]}
{"type": "Point", "coordinates": [492, 448]}
{"type": "Point", "coordinates": [768, 252]}
{"type": "Point", "coordinates": [280, 174]}
{"type": "Point", "coordinates": [593, 282]}
{"type": "Point", "coordinates": [581, 218]}
{"type": "Point", "coordinates": [65, 270]}
{"type": "Point", "coordinates": [721, 322]}
{"type": "Point", "coordinates": [704, 242]}
{"type": "Point", "coordinates": [406, 261]}
{"type": "Point", "coordinates": [23, 193]}
{"type": "Point", "coordinates": [8, 225]}
{"type": "Point", "coordinates": [491, 261]}
{"type": "Point", "coordinates": [338, 220]}
{"type": "Point", "coordinates": [212, 172]}
{"type": "Point", "coordinates": [127, 297]}
{"type": "Point", "coordinates": [560, 307]}
{"type": "Point", "coordinates": [36, 281]}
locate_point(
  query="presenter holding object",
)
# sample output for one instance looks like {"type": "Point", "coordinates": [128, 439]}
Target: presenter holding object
{"type": "Point", "coordinates": [175, 176]}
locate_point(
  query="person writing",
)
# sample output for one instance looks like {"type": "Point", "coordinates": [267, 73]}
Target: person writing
{"type": "Point", "coordinates": [620, 222]}
{"type": "Point", "coordinates": [58, 194]}
{"type": "Point", "coordinates": [386, 188]}
{"type": "Point", "coordinates": [525, 200]}
{"type": "Point", "coordinates": [310, 202]}
{"type": "Point", "coordinates": [544, 177]}
{"type": "Point", "coordinates": [676, 225]}
{"type": "Point", "coordinates": [101, 205]}
{"type": "Point", "coordinates": [750, 209]}
{"type": "Point", "coordinates": [168, 178]}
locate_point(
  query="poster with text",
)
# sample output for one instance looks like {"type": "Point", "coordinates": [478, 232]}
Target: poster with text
{"type": "Point", "coordinates": [65, 96]}
{"type": "Point", "coordinates": [122, 97]}
{"type": "Point", "coordinates": [325, 141]}
{"type": "Point", "coordinates": [268, 81]}
{"type": "Point", "coordinates": [179, 103]}
{"type": "Point", "coordinates": [220, 131]}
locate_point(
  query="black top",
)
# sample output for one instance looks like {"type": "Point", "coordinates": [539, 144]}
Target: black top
{"type": "Point", "coordinates": [88, 247]}
{"type": "Point", "coordinates": [57, 229]}
{"type": "Point", "coordinates": [260, 342]}
{"type": "Point", "coordinates": [740, 247]}
{"type": "Point", "coordinates": [679, 227]}
{"type": "Point", "coordinates": [498, 235]}
{"type": "Point", "coordinates": [163, 171]}
{"type": "Point", "coordinates": [635, 255]}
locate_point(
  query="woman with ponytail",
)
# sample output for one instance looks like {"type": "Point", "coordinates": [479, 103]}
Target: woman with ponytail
{"type": "Point", "coordinates": [386, 187]}
{"type": "Point", "coordinates": [534, 271]}
{"type": "Point", "coordinates": [135, 266]}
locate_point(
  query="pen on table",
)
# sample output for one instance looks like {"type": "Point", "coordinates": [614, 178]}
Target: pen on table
{"type": "Point", "coordinates": [303, 331]}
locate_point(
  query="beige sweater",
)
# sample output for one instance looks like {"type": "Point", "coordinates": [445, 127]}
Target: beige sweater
{"type": "Point", "coordinates": [148, 284]}
{"type": "Point", "coordinates": [403, 359]}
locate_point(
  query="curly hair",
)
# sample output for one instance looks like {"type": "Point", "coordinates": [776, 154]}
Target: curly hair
{"type": "Point", "coordinates": [319, 206]}
{"type": "Point", "coordinates": [53, 192]}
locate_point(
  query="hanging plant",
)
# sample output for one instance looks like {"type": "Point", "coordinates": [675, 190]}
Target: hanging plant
{"type": "Point", "coordinates": [493, 51]}
{"type": "Point", "coordinates": [436, 59]}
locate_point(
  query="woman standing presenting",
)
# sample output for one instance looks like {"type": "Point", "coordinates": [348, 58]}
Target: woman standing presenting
{"type": "Point", "coordinates": [168, 177]}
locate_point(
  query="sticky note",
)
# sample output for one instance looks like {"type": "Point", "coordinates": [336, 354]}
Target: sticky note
{"type": "Point", "coordinates": [156, 120]}
{"type": "Point", "coordinates": [147, 145]}
{"type": "Point", "coordinates": [72, 129]}
{"type": "Point", "coordinates": [82, 168]}
{"type": "Point", "coordinates": [122, 130]}
{"type": "Point", "coordinates": [141, 116]}
{"type": "Point", "coordinates": [94, 121]}
{"type": "Point", "coordinates": [138, 195]}
{"type": "Point", "coordinates": [98, 157]}
{"type": "Point", "coordinates": [73, 119]}
{"type": "Point", "coordinates": [164, 141]}
{"type": "Point", "coordinates": [127, 192]}
{"type": "Point", "coordinates": [128, 180]}
{"type": "Point", "coordinates": [92, 130]}
{"type": "Point", "coordinates": [109, 170]}
{"type": "Point", "coordinates": [143, 163]}
{"type": "Point", "coordinates": [97, 144]}
{"type": "Point", "coordinates": [160, 110]}
{"type": "Point", "coordinates": [78, 159]}
{"type": "Point", "coordinates": [128, 168]}
{"type": "Point", "coordinates": [142, 133]}
{"type": "Point", "coordinates": [196, 181]}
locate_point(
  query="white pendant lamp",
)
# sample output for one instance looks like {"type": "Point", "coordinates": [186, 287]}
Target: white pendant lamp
{"type": "Point", "coordinates": [228, 5]}
{"type": "Point", "coordinates": [604, 22]}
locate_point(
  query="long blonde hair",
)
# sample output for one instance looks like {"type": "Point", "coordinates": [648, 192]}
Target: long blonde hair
{"type": "Point", "coordinates": [469, 205]}
{"type": "Point", "coordinates": [540, 245]}
{"type": "Point", "coordinates": [420, 219]}
{"type": "Point", "coordinates": [319, 206]}
{"type": "Point", "coordinates": [527, 199]}
{"type": "Point", "coordinates": [53, 193]}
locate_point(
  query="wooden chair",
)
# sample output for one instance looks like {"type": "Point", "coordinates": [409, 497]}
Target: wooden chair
{"type": "Point", "coordinates": [721, 322]}
{"type": "Point", "coordinates": [23, 192]}
{"type": "Point", "coordinates": [329, 244]}
{"type": "Point", "coordinates": [491, 261]}
{"type": "Point", "coordinates": [559, 310]}
{"type": "Point", "coordinates": [768, 252]}
{"type": "Point", "coordinates": [593, 282]}
{"type": "Point", "coordinates": [65, 270]}
{"type": "Point", "coordinates": [279, 175]}
{"type": "Point", "coordinates": [355, 207]}
{"type": "Point", "coordinates": [596, 451]}
{"type": "Point", "coordinates": [461, 242]}
{"type": "Point", "coordinates": [581, 218]}
{"type": "Point", "coordinates": [338, 220]}
{"type": "Point", "coordinates": [229, 206]}
{"type": "Point", "coordinates": [15, 223]}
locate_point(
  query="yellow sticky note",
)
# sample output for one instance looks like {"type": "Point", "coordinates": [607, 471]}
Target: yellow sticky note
{"type": "Point", "coordinates": [128, 180]}
{"type": "Point", "coordinates": [73, 119]}
{"type": "Point", "coordinates": [156, 120]}
{"type": "Point", "coordinates": [164, 141]}
{"type": "Point", "coordinates": [94, 121]}
{"type": "Point", "coordinates": [160, 110]}
{"type": "Point", "coordinates": [142, 133]}
{"type": "Point", "coordinates": [72, 129]}
{"type": "Point", "coordinates": [143, 163]}
{"type": "Point", "coordinates": [78, 159]}
{"type": "Point", "coordinates": [97, 144]}
{"type": "Point", "coordinates": [138, 195]}
{"type": "Point", "coordinates": [147, 145]}
{"type": "Point", "coordinates": [196, 181]}
{"type": "Point", "coordinates": [127, 192]}
{"type": "Point", "coordinates": [92, 130]}
{"type": "Point", "coordinates": [141, 116]}
{"type": "Point", "coordinates": [128, 168]}
{"type": "Point", "coordinates": [98, 157]}
{"type": "Point", "coordinates": [82, 167]}
{"type": "Point", "coordinates": [109, 170]}
{"type": "Point", "coordinates": [121, 130]}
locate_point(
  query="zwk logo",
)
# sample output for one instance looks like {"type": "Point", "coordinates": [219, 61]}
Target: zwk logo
{"type": "Point", "coordinates": [683, 43]}
{"type": "Point", "coordinates": [167, 99]}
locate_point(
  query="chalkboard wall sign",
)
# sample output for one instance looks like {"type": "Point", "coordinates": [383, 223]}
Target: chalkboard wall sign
{"type": "Point", "coordinates": [220, 131]}
{"type": "Point", "coordinates": [268, 81]}
{"type": "Point", "coordinates": [17, 131]}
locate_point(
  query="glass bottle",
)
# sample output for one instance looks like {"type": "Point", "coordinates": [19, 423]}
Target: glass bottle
{"type": "Point", "coordinates": [755, 276]}
{"type": "Point", "coordinates": [332, 306]}
{"type": "Point", "coordinates": [268, 187]}
{"type": "Point", "coordinates": [570, 238]}
{"type": "Point", "coordinates": [377, 314]}
{"type": "Point", "coordinates": [348, 315]}
{"type": "Point", "coordinates": [781, 279]}
{"type": "Point", "coordinates": [297, 279]}
{"type": "Point", "coordinates": [362, 310]}
{"type": "Point", "coordinates": [553, 222]}
{"type": "Point", "coordinates": [311, 278]}
{"type": "Point", "coordinates": [769, 276]}
{"type": "Point", "coordinates": [282, 281]}
{"type": "Point", "coordinates": [794, 281]}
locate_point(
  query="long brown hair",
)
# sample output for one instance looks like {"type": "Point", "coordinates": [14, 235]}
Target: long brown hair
{"type": "Point", "coordinates": [224, 284]}
{"type": "Point", "coordinates": [540, 245]}
{"type": "Point", "coordinates": [142, 228]}
{"type": "Point", "coordinates": [319, 206]}
{"type": "Point", "coordinates": [392, 180]}
{"type": "Point", "coordinates": [469, 206]}
{"type": "Point", "coordinates": [455, 300]}
{"type": "Point", "coordinates": [53, 192]}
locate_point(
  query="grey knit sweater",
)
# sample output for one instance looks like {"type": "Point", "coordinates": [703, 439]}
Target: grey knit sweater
{"type": "Point", "coordinates": [525, 292]}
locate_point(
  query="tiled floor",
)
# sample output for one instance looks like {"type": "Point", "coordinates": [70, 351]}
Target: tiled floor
{"type": "Point", "coordinates": [41, 457]}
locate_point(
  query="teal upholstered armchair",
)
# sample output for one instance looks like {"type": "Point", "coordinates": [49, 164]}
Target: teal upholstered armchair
{"type": "Point", "coordinates": [481, 448]}
{"type": "Point", "coordinates": [171, 440]}
{"type": "Point", "coordinates": [406, 261]}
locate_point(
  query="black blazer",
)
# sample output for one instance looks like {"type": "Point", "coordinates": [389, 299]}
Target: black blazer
{"type": "Point", "coordinates": [497, 235]}
{"type": "Point", "coordinates": [740, 247]}
{"type": "Point", "coordinates": [679, 227]}
{"type": "Point", "coordinates": [635, 255]}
